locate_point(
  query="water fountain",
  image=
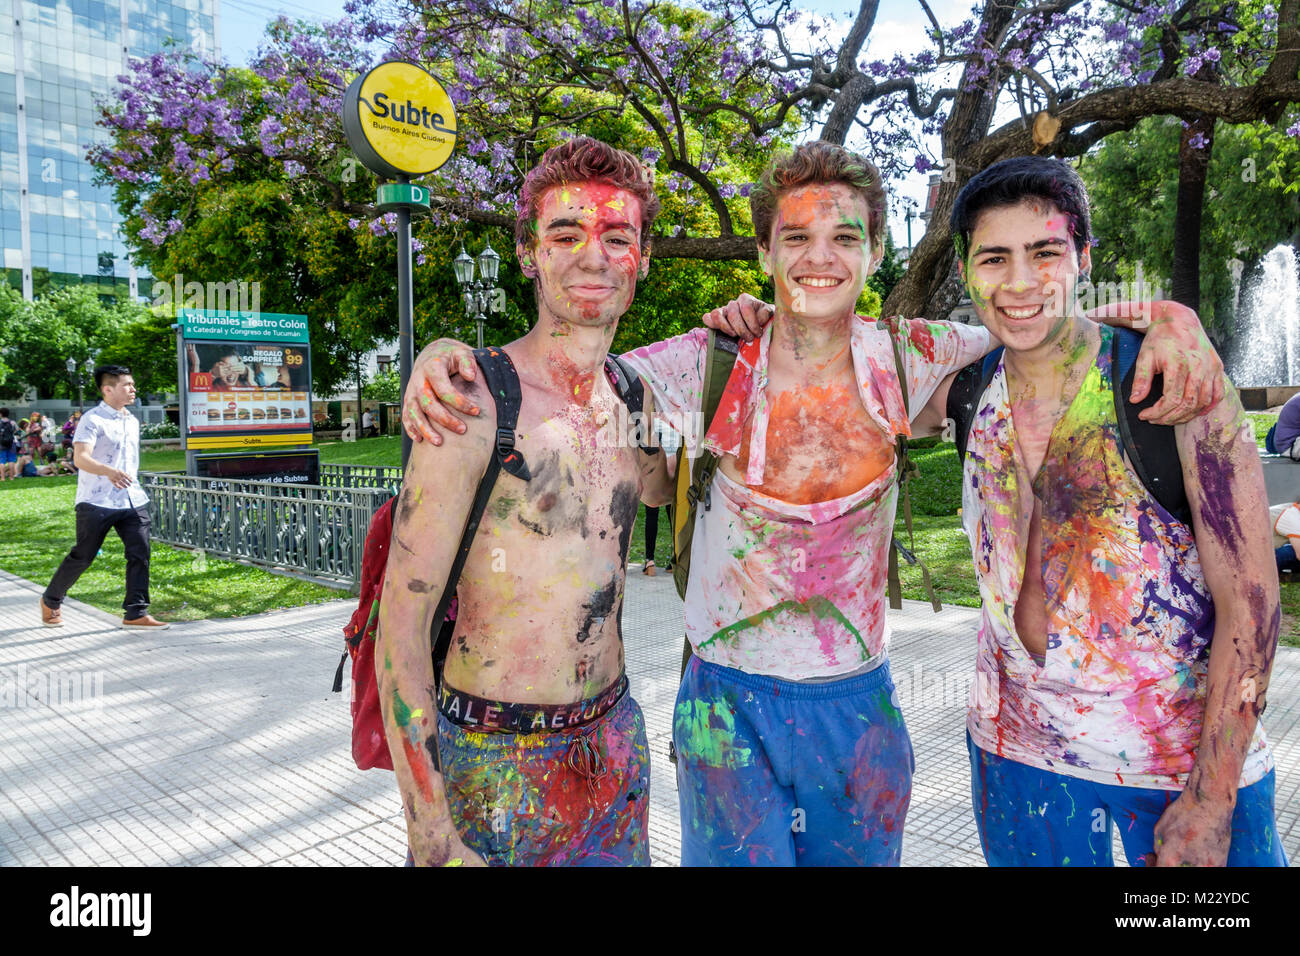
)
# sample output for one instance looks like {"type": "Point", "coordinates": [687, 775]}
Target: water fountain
{"type": "Point", "coordinates": [1265, 360]}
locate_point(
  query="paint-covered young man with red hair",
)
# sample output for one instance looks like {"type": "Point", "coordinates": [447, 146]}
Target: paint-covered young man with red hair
{"type": "Point", "coordinates": [543, 751]}
{"type": "Point", "coordinates": [791, 745]}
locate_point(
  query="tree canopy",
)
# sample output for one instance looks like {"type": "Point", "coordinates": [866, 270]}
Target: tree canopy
{"type": "Point", "coordinates": [1252, 204]}
{"type": "Point", "coordinates": [72, 323]}
{"type": "Point", "coordinates": [704, 93]}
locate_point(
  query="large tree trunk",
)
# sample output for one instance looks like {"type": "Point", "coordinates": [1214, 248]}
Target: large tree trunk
{"type": "Point", "coordinates": [919, 292]}
{"type": "Point", "coordinates": [1193, 171]}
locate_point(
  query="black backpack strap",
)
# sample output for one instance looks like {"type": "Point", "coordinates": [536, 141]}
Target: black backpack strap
{"type": "Point", "coordinates": [503, 382]}
{"type": "Point", "coordinates": [1152, 449]}
{"type": "Point", "coordinates": [628, 384]}
{"type": "Point", "coordinates": [964, 397]}
{"type": "Point", "coordinates": [631, 392]}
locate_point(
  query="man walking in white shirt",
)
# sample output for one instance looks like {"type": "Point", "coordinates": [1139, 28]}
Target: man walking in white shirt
{"type": "Point", "coordinates": [106, 450]}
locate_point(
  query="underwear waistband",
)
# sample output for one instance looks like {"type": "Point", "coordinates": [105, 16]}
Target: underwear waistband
{"type": "Point", "coordinates": [496, 716]}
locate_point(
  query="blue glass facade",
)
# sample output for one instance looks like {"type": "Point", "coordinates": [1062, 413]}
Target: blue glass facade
{"type": "Point", "coordinates": [57, 59]}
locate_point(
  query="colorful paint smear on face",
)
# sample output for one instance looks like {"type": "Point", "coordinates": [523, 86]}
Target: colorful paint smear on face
{"type": "Point", "coordinates": [1021, 271]}
{"type": "Point", "coordinates": [587, 252]}
{"type": "Point", "coordinates": [820, 251]}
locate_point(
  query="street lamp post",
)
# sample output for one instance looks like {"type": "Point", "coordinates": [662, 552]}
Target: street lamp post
{"type": "Point", "coordinates": [479, 296]}
{"type": "Point", "coordinates": [71, 366]}
{"type": "Point", "coordinates": [81, 393]}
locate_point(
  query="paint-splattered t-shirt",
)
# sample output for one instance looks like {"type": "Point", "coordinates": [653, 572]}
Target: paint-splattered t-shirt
{"type": "Point", "coordinates": [796, 591]}
{"type": "Point", "coordinates": [1121, 692]}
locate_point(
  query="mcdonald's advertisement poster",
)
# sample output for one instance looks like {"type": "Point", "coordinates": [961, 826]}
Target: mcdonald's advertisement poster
{"type": "Point", "coordinates": [248, 387]}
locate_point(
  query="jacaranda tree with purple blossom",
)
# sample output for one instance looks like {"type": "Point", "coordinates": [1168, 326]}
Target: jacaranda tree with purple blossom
{"type": "Point", "coordinates": [226, 173]}
{"type": "Point", "coordinates": [1072, 72]}
{"type": "Point", "coordinates": [704, 93]}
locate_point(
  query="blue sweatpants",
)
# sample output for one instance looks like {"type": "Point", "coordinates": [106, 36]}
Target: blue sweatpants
{"type": "Point", "coordinates": [782, 773]}
{"type": "Point", "coordinates": [1032, 817]}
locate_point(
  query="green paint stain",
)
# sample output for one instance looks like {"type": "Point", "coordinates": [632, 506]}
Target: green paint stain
{"type": "Point", "coordinates": [503, 506]}
{"type": "Point", "coordinates": [816, 606]}
{"type": "Point", "coordinates": [708, 729]}
{"type": "Point", "coordinates": [401, 713]}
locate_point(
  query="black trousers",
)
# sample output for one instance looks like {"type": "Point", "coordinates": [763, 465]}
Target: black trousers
{"type": "Point", "coordinates": [651, 531]}
{"type": "Point", "coordinates": [93, 524]}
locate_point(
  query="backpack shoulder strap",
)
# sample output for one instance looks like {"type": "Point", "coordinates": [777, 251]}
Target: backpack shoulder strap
{"type": "Point", "coordinates": [628, 384]}
{"type": "Point", "coordinates": [631, 392]}
{"type": "Point", "coordinates": [1152, 449]}
{"type": "Point", "coordinates": [695, 477]}
{"type": "Point", "coordinates": [503, 381]}
{"type": "Point", "coordinates": [964, 397]}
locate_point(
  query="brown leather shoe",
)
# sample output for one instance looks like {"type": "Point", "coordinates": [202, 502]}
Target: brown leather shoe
{"type": "Point", "coordinates": [147, 622]}
{"type": "Point", "coordinates": [51, 616]}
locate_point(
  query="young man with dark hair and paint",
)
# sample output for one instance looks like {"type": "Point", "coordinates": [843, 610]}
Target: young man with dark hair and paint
{"type": "Point", "coordinates": [543, 751]}
{"type": "Point", "coordinates": [791, 746]}
{"type": "Point", "coordinates": [1124, 655]}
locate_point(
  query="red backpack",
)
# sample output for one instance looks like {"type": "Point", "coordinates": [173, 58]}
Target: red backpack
{"type": "Point", "coordinates": [369, 743]}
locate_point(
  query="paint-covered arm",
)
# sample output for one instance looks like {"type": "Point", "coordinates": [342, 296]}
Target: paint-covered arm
{"type": "Point", "coordinates": [1177, 348]}
{"type": "Point", "coordinates": [430, 394]}
{"type": "Point", "coordinates": [429, 518]}
{"type": "Point", "coordinates": [1225, 488]}
{"type": "Point", "coordinates": [745, 317]}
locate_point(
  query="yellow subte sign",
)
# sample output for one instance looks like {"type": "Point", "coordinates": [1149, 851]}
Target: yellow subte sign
{"type": "Point", "coordinates": [399, 120]}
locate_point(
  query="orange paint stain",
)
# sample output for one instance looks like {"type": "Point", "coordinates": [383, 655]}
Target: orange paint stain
{"type": "Point", "coordinates": [821, 445]}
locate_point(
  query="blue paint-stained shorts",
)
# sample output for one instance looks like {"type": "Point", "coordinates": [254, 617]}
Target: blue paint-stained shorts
{"type": "Point", "coordinates": [1032, 817]}
{"type": "Point", "coordinates": [780, 773]}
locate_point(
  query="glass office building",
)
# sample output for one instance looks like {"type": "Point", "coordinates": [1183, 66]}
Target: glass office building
{"type": "Point", "coordinates": [57, 58]}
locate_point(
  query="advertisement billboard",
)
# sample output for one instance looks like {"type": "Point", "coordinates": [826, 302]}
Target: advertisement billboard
{"type": "Point", "coordinates": [245, 379]}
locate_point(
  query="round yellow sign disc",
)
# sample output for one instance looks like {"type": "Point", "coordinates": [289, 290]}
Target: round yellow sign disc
{"type": "Point", "coordinates": [402, 117]}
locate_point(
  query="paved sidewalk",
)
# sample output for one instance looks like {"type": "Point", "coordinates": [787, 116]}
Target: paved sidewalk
{"type": "Point", "coordinates": [218, 742]}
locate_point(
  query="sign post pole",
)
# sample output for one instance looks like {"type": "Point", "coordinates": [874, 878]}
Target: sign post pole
{"type": "Point", "coordinates": [400, 122]}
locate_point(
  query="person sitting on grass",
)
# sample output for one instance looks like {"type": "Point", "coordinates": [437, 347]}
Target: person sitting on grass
{"type": "Point", "coordinates": [1283, 437]}
{"type": "Point", "coordinates": [9, 442]}
{"type": "Point", "coordinates": [27, 468]}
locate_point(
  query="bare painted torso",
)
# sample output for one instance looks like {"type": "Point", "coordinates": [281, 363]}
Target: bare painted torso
{"type": "Point", "coordinates": [821, 443]}
{"type": "Point", "coordinates": [542, 588]}
{"type": "Point", "coordinates": [1034, 418]}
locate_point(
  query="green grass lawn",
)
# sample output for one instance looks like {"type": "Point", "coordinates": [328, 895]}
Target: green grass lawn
{"type": "Point", "coordinates": [1262, 421]}
{"type": "Point", "coordinates": [37, 527]}
{"type": "Point", "coordinates": [365, 451]}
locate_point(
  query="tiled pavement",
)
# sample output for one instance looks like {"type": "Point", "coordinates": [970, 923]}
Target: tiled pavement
{"type": "Point", "coordinates": [218, 742]}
